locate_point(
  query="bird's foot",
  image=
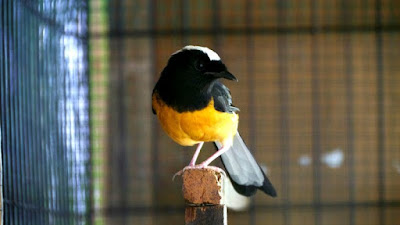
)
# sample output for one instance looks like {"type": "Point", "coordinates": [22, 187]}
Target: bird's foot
{"type": "Point", "coordinates": [180, 172]}
{"type": "Point", "coordinates": [200, 166]}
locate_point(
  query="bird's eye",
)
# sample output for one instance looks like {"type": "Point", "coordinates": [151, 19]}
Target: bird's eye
{"type": "Point", "coordinates": [200, 65]}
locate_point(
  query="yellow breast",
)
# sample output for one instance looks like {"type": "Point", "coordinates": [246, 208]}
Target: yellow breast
{"type": "Point", "coordinates": [189, 128]}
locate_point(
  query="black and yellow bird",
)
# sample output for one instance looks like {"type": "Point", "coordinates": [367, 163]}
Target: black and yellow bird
{"type": "Point", "coordinates": [194, 107]}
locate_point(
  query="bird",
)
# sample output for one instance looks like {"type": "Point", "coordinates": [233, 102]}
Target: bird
{"type": "Point", "coordinates": [194, 107]}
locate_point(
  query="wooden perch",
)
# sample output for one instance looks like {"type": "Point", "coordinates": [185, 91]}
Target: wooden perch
{"type": "Point", "coordinates": [204, 196]}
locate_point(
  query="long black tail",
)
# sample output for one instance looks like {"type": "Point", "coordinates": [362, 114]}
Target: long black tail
{"type": "Point", "coordinates": [243, 170]}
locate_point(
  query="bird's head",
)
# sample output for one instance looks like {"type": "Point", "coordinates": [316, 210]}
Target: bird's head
{"type": "Point", "coordinates": [197, 63]}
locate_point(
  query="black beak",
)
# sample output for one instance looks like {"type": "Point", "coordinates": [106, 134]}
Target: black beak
{"type": "Point", "coordinates": [227, 75]}
{"type": "Point", "coordinates": [218, 70]}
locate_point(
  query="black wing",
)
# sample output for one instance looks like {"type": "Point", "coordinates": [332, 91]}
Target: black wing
{"type": "Point", "coordinates": [222, 98]}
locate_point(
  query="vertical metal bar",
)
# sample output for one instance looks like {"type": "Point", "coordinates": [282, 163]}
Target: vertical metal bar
{"type": "Point", "coordinates": [79, 152]}
{"type": "Point", "coordinates": [348, 70]}
{"type": "Point", "coordinates": [10, 153]}
{"type": "Point", "coordinates": [2, 106]}
{"type": "Point", "coordinates": [42, 188]}
{"type": "Point", "coordinates": [57, 174]}
{"type": "Point", "coordinates": [89, 166]}
{"type": "Point", "coordinates": [284, 111]}
{"type": "Point", "coordinates": [36, 114]}
{"type": "Point", "coordinates": [8, 194]}
{"type": "Point", "coordinates": [3, 111]}
{"type": "Point", "coordinates": [13, 120]}
{"type": "Point", "coordinates": [26, 114]}
{"type": "Point", "coordinates": [8, 175]}
{"type": "Point", "coordinates": [66, 149]}
{"type": "Point", "coordinates": [184, 14]}
{"type": "Point", "coordinates": [14, 117]}
{"type": "Point", "coordinates": [350, 125]}
{"type": "Point", "coordinates": [111, 146]}
{"type": "Point", "coordinates": [79, 214]}
{"type": "Point", "coordinates": [59, 143]}
{"type": "Point", "coordinates": [34, 76]}
{"type": "Point", "coordinates": [55, 160]}
{"type": "Point", "coordinates": [56, 200]}
{"type": "Point", "coordinates": [45, 126]}
{"type": "Point", "coordinates": [122, 165]}
{"type": "Point", "coordinates": [153, 18]}
{"type": "Point", "coordinates": [216, 29]}
{"type": "Point", "coordinates": [380, 111]}
{"type": "Point", "coordinates": [251, 96]}
{"type": "Point", "coordinates": [51, 162]}
{"type": "Point", "coordinates": [2, 77]}
{"type": "Point", "coordinates": [54, 163]}
{"type": "Point", "coordinates": [67, 153]}
{"type": "Point", "coordinates": [315, 92]}
{"type": "Point", "coordinates": [23, 121]}
{"type": "Point", "coordinates": [64, 154]}
{"type": "Point", "coordinates": [74, 89]}
{"type": "Point", "coordinates": [33, 128]}
{"type": "Point", "coordinates": [84, 151]}
{"type": "Point", "coordinates": [4, 114]}
{"type": "Point", "coordinates": [20, 148]}
{"type": "Point", "coordinates": [69, 135]}
{"type": "Point", "coordinates": [29, 113]}
{"type": "Point", "coordinates": [71, 139]}
{"type": "Point", "coordinates": [78, 147]}
{"type": "Point", "coordinates": [21, 126]}
{"type": "Point", "coordinates": [70, 74]}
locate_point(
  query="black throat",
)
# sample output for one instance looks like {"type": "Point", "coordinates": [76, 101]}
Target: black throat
{"type": "Point", "coordinates": [184, 95]}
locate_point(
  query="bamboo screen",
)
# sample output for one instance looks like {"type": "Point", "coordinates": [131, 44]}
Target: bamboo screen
{"type": "Point", "coordinates": [318, 92]}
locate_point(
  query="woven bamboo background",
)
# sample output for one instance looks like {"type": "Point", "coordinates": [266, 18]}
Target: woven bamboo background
{"type": "Point", "coordinates": [318, 81]}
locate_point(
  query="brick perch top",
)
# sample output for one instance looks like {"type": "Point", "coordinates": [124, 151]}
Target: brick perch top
{"type": "Point", "coordinates": [203, 187]}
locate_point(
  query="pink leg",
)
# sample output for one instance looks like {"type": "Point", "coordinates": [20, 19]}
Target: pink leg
{"type": "Point", "coordinates": [213, 157]}
{"type": "Point", "coordinates": [196, 154]}
{"type": "Point", "coordinates": [192, 162]}
{"type": "Point", "coordinates": [205, 163]}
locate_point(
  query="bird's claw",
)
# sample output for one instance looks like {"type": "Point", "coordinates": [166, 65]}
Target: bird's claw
{"type": "Point", "coordinates": [179, 173]}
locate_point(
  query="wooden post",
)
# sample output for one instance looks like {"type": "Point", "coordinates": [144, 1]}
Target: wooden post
{"type": "Point", "coordinates": [203, 192]}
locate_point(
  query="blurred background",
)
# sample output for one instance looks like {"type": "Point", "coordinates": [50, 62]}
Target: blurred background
{"type": "Point", "coordinates": [318, 92]}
